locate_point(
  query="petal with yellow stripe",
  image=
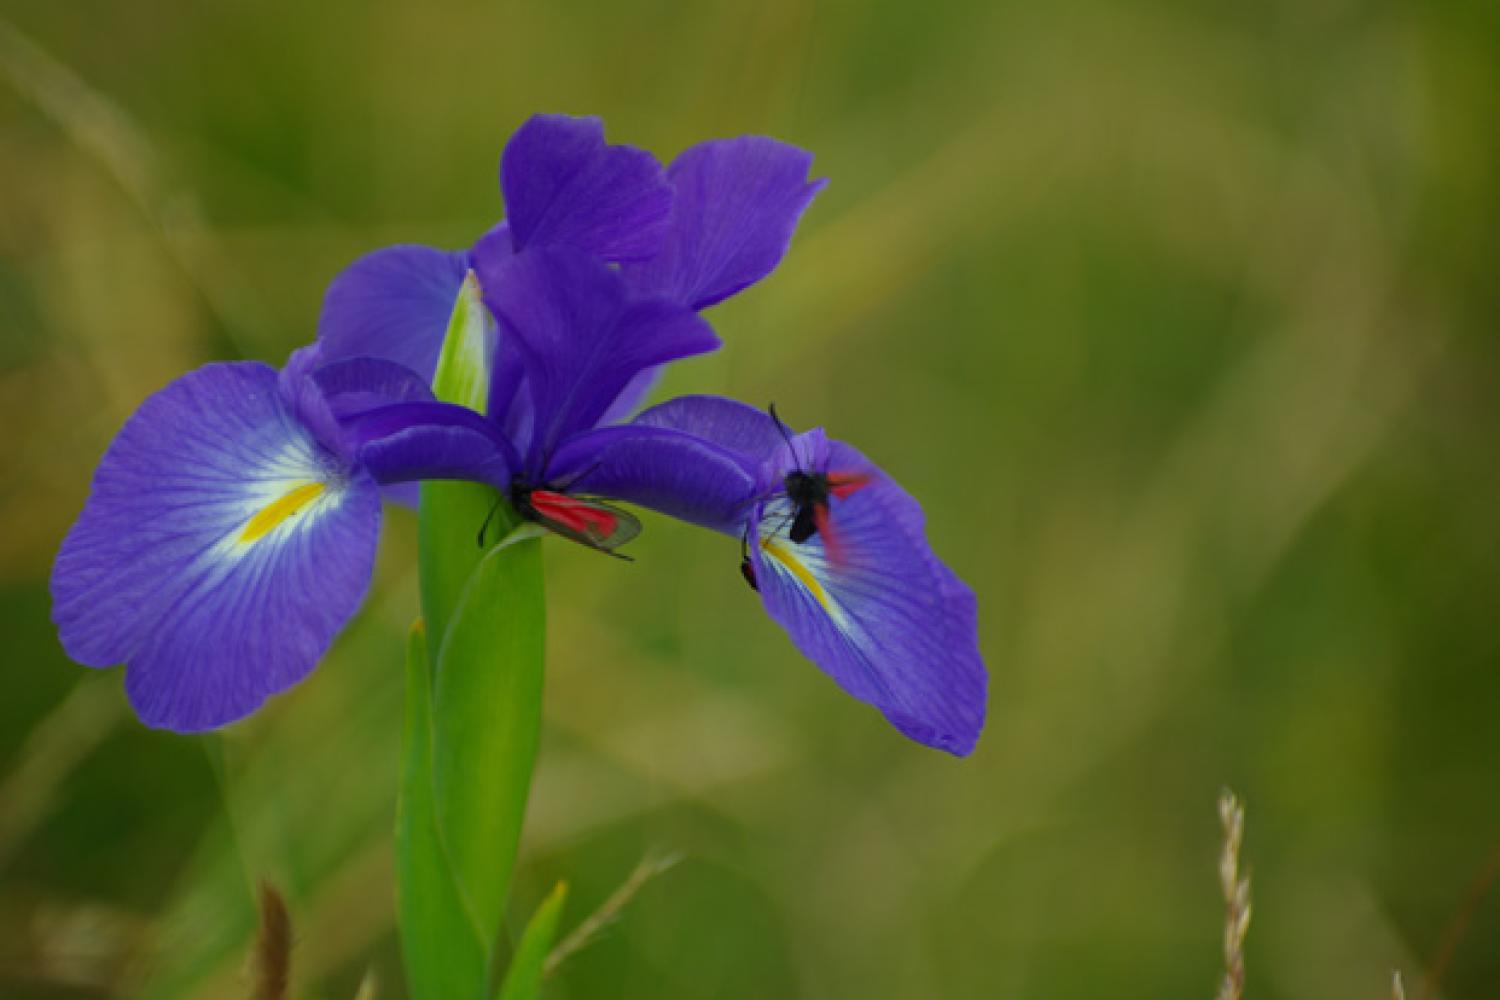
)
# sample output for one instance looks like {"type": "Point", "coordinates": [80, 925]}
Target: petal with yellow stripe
{"type": "Point", "coordinates": [883, 616]}
{"type": "Point", "coordinates": [220, 550]}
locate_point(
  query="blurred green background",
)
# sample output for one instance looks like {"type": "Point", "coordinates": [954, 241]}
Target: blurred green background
{"type": "Point", "coordinates": [1179, 317]}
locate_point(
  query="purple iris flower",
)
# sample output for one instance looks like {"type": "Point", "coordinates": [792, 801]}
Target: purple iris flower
{"type": "Point", "coordinates": [232, 527]}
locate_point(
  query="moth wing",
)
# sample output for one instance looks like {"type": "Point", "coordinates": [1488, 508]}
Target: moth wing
{"type": "Point", "coordinates": [585, 520]}
{"type": "Point", "coordinates": [833, 540]}
{"type": "Point", "coordinates": [845, 484]}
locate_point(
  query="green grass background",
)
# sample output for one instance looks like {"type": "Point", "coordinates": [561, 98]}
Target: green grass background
{"type": "Point", "coordinates": [1180, 318]}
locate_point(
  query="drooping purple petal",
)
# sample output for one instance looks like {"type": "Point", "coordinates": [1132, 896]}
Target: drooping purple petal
{"type": "Point", "coordinates": [580, 340]}
{"type": "Point", "coordinates": [393, 304]}
{"type": "Point", "coordinates": [737, 205]}
{"type": "Point", "coordinates": [355, 385]}
{"type": "Point", "coordinates": [410, 441]}
{"type": "Point", "coordinates": [220, 551]}
{"type": "Point", "coordinates": [564, 186]}
{"type": "Point", "coordinates": [676, 474]}
{"type": "Point", "coordinates": [732, 425]}
{"type": "Point", "coordinates": [875, 609]}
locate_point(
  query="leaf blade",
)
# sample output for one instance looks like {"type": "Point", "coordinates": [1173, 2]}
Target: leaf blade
{"type": "Point", "coordinates": [440, 945]}
{"type": "Point", "coordinates": [487, 724]}
{"type": "Point", "coordinates": [523, 980]}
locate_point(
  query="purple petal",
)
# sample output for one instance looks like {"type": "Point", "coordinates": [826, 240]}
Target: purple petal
{"type": "Point", "coordinates": [406, 494]}
{"type": "Point", "coordinates": [357, 384]}
{"type": "Point", "coordinates": [326, 394]}
{"type": "Point", "coordinates": [301, 393]}
{"type": "Point", "coordinates": [564, 186]}
{"type": "Point", "coordinates": [508, 386]}
{"type": "Point", "coordinates": [393, 304]}
{"type": "Point", "coordinates": [733, 426]}
{"type": "Point", "coordinates": [409, 441]}
{"type": "Point", "coordinates": [877, 611]}
{"type": "Point", "coordinates": [220, 550]}
{"type": "Point", "coordinates": [580, 341]}
{"type": "Point", "coordinates": [629, 399]}
{"type": "Point", "coordinates": [737, 205]}
{"type": "Point", "coordinates": [494, 246]}
{"type": "Point", "coordinates": [666, 470]}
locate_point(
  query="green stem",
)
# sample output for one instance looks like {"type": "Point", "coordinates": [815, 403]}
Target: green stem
{"type": "Point", "coordinates": [474, 718]}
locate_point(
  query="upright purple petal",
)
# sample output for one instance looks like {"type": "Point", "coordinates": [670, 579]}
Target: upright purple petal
{"type": "Point", "coordinates": [737, 205]}
{"type": "Point", "coordinates": [580, 340]}
{"type": "Point", "coordinates": [564, 186]}
{"type": "Point", "coordinates": [630, 397]}
{"type": "Point", "coordinates": [676, 474]}
{"type": "Point", "coordinates": [494, 246]}
{"type": "Point", "coordinates": [508, 385]}
{"type": "Point", "coordinates": [875, 609]}
{"type": "Point", "coordinates": [393, 304]}
{"type": "Point", "coordinates": [221, 549]}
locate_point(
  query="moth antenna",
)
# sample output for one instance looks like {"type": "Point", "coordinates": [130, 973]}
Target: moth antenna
{"type": "Point", "coordinates": [786, 435]}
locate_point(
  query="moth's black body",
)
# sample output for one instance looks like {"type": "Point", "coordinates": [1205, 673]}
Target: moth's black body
{"type": "Point", "coordinates": [808, 491]}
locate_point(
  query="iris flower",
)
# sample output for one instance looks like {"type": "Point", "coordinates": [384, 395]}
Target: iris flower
{"type": "Point", "coordinates": [232, 526]}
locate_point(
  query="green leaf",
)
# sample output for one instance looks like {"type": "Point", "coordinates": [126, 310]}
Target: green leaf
{"type": "Point", "coordinates": [485, 617]}
{"type": "Point", "coordinates": [448, 523]}
{"type": "Point", "coordinates": [443, 952]}
{"type": "Point", "coordinates": [523, 980]}
{"type": "Point", "coordinates": [452, 512]}
{"type": "Point", "coordinates": [486, 716]}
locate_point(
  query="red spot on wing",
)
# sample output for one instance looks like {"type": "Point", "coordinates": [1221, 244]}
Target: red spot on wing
{"type": "Point", "coordinates": [844, 484]}
{"type": "Point", "coordinates": [576, 515]}
{"type": "Point", "coordinates": [833, 541]}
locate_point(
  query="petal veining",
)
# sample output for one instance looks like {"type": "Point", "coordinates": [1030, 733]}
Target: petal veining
{"type": "Point", "coordinates": [877, 611]}
{"type": "Point", "coordinates": [221, 549]}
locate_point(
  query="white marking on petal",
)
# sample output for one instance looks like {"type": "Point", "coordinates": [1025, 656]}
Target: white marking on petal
{"type": "Point", "coordinates": [805, 564]}
{"type": "Point", "coordinates": [280, 479]}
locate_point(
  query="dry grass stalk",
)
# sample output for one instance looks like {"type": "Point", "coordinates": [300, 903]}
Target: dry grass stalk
{"type": "Point", "coordinates": [1236, 896]}
{"type": "Point", "coordinates": [609, 911]}
{"type": "Point", "coordinates": [1458, 926]}
{"type": "Point", "coordinates": [1398, 988]}
{"type": "Point", "coordinates": [271, 959]}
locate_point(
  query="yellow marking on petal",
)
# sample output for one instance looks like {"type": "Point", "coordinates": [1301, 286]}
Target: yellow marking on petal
{"type": "Point", "coordinates": [801, 572]}
{"type": "Point", "coordinates": [279, 510]}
